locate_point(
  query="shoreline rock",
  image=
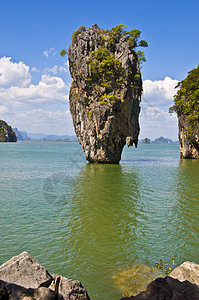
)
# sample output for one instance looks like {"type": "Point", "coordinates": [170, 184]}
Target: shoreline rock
{"type": "Point", "coordinates": [23, 276]}
{"type": "Point", "coordinates": [181, 284]}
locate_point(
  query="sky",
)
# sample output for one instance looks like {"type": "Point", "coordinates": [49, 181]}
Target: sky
{"type": "Point", "coordinates": [35, 79]}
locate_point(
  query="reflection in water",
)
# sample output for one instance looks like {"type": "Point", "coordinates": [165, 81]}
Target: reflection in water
{"type": "Point", "coordinates": [102, 227]}
{"type": "Point", "coordinates": [88, 222]}
{"type": "Point", "coordinates": [119, 216]}
{"type": "Point", "coordinates": [187, 210]}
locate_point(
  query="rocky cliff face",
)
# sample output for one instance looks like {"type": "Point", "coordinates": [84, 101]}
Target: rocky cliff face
{"type": "Point", "coordinates": [105, 93]}
{"type": "Point", "coordinates": [186, 105]}
{"type": "Point", "coordinates": [6, 133]}
{"type": "Point", "coordinates": [189, 142]}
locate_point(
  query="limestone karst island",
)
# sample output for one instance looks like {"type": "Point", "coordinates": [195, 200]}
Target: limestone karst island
{"type": "Point", "coordinates": [186, 105]}
{"type": "Point", "coordinates": [106, 90]}
{"type": "Point", "coordinates": [112, 231]}
{"type": "Point", "coordinates": [6, 133]}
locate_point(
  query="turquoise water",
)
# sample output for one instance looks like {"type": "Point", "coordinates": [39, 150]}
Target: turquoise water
{"type": "Point", "coordinates": [88, 222]}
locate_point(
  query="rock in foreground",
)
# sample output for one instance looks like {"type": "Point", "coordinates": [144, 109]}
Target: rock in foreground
{"type": "Point", "coordinates": [181, 284]}
{"type": "Point", "coordinates": [106, 91]}
{"type": "Point", "coordinates": [23, 276]}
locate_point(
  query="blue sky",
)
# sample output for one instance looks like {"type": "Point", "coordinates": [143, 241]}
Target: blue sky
{"type": "Point", "coordinates": [35, 80]}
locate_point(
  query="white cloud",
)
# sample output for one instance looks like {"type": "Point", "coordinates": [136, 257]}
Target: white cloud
{"type": "Point", "coordinates": [37, 107]}
{"type": "Point", "coordinates": [159, 92]}
{"type": "Point", "coordinates": [49, 90]}
{"type": "Point", "coordinates": [3, 109]}
{"type": "Point", "coordinates": [50, 52]}
{"type": "Point", "coordinates": [57, 69]}
{"type": "Point", "coordinates": [34, 69]}
{"type": "Point", "coordinates": [15, 74]}
{"type": "Point", "coordinates": [43, 121]}
{"type": "Point", "coordinates": [41, 107]}
{"type": "Point", "coordinates": [155, 119]}
{"type": "Point", "coordinates": [156, 122]}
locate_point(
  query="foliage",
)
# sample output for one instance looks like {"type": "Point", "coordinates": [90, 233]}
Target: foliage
{"type": "Point", "coordinates": [105, 69]}
{"type": "Point", "coordinates": [133, 38]}
{"type": "Point", "coordinates": [2, 135]}
{"type": "Point", "coordinates": [77, 32]}
{"type": "Point", "coordinates": [108, 98]}
{"type": "Point", "coordinates": [63, 52]}
{"type": "Point", "coordinates": [161, 266]}
{"type": "Point", "coordinates": [186, 101]}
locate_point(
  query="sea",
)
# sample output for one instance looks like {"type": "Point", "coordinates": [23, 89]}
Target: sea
{"type": "Point", "coordinates": [103, 225]}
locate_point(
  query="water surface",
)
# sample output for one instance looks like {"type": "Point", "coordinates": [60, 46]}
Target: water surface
{"type": "Point", "coordinates": [90, 222]}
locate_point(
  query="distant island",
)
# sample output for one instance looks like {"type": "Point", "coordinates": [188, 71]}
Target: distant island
{"type": "Point", "coordinates": [6, 133]}
{"type": "Point", "coordinates": [27, 136]}
{"type": "Point", "coordinates": [160, 140]}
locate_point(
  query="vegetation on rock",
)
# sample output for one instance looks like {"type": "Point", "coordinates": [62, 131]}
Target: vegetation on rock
{"type": "Point", "coordinates": [186, 101]}
{"type": "Point", "coordinates": [104, 69]}
{"type": "Point", "coordinates": [6, 133]}
{"type": "Point", "coordinates": [77, 32]}
{"type": "Point", "coordinates": [161, 266]}
{"type": "Point", "coordinates": [106, 89]}
{"type": "Point", "coordinates": [133, 38]}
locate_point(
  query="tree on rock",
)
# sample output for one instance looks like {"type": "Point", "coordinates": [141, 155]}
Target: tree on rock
{"type": "Point", "coordinates": [186, 105]}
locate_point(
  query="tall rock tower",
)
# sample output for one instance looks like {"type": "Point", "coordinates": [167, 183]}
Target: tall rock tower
{"type": "Point", "coordinates": [186, 105]}
{"type": "Point", "coordinates": [106, 90]}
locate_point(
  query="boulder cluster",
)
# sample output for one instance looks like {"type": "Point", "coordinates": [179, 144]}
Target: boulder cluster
{"type": "Point", "coordinates": [23, 277]}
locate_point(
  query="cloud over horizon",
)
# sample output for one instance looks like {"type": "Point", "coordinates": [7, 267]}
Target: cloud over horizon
{"type": "Point", "coordinates": [155, 119]}
{"type": "Point", "coordinates": [43, 107]}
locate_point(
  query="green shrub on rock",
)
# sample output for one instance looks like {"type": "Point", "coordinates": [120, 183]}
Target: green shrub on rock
{"type": "Point", "coordinates": [186, 101]}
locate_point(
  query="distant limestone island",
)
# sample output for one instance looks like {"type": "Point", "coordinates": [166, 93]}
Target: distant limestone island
{"type": "Point", "coordinates": [160, 140]}
{"type": "Point", "coordinates": [27, 136]}
{"type": "Point", "coordinates": [6, 133]}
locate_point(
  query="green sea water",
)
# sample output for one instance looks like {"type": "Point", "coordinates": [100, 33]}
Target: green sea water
{"type": "Point", "coordinates": [91, 222]}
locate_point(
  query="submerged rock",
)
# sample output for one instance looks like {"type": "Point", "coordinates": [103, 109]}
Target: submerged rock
{"type": "Point", "coordinates": [6, 133]}
{"type": "Point", "coordinates": [105, 93]}
{"type": "Point", "coordinates": [182, 283]}
{"type": "Point", "coordinates": [135, 279]}
{"type": "Point", "coordinates": [23, 276]}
